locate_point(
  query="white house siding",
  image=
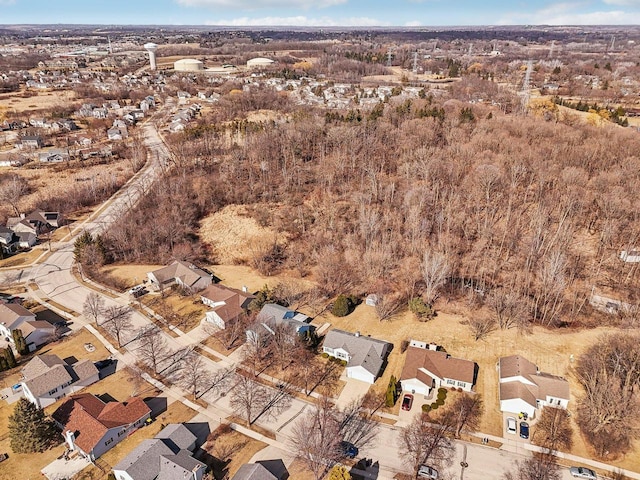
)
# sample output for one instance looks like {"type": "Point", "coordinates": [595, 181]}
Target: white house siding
{"type": "Point", "coordinates": [414, 385]}
{"type": "Point", "coordinates": [122, 475]}
{"type": "Point", "coordinates": [555, 402]}
{"type": "Point", "coordinates": [359, 373]}
{"type": "Point", "coordinates": [517, 405]}
{"type": "Point", "coordinates": [517, 378]}
{"type": "Point", "coordinates": [213, 317]}
{"type": "Point", "coordinates": [39, 337]}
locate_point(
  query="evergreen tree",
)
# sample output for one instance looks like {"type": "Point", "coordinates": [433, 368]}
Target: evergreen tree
{"type": "Point", "coordinates": [10, 357]}
{"type": "Point", "coordinates": [341, 306]}
{"type": "Point", "coordinates": [30, 430]}
{"type": "Point", "coordinates": [21, 344]}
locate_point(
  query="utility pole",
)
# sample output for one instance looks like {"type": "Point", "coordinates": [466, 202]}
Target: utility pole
{"type": "Point", "coordinates": [525, 87]}
{"type": "Point", "coordinates": [415, 62]}
{"type": "Point", "coordinates": [389, 57]}
{"type": "Point", "coordinates": [553, 43]}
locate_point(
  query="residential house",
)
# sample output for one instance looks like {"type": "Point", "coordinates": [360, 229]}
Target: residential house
{"type": "Point", "coordinates": [100, 113]}
{"type": "Point", "coordinates": [37, 222]}
{"type": "Point", "coordinates": [37, 333]}
{"type": "Point", "coordinates": [8, 240]}
{"type": "Point", "coordinates": [54, 155]}
{"type": "Point", "coordinates": [137, 114]}
{"type": "Point", "coordinates": [184, 274]}
{"type": "Point", "coordinates": [48, 378]}
{"type": "Point", "coordinates": [92, 427]}
{"type": "Point", "coordinates": [115, 133]}
{"type": "Point", "coordinates": [272, 316]}
{"type": "Point", "coordinates": [167, 456]}
{"type": "Point", "coordinates": [262, 470]}
{"type": "Point", "coordinates": [427, 368]}
{"type": "Point", "coordinates": [31, 141]}
{"type": "Point", "coordinates": [523, 388]}
{"type": "Point", "coordinates": [365, 356]}
{"type": "Point", "coordinates": [12, 317]}
{"type": "Point", "coordinates": [227, 304]}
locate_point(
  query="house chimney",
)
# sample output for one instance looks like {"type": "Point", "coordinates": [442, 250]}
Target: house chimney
{"type": "Point", "coordinates": [245, 289]}
{"type": "Point", "coordinates": [357, 334]}
{"type": "Point", "coordinates": [70, 439]}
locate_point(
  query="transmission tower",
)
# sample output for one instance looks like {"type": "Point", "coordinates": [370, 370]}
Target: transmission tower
{"type": "Point", "coordinates": [470, 48]}
{"type": "Point", "coordinates": [389, 57]}
{"type": "Point", "coordinates": [613, 43]}
{"type": "Point", "coordinates": [415, 62]}
{"type": "Point", "coordinates": [553, 44]}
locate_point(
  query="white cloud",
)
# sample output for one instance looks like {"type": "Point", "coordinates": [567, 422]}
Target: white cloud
{"type": "Point", "coordinates": [7, 2]}
{"type": "Point", "coordinates": [571, 14]}
{"type": "Point", "coordinates": [299, 21]}
{"type": "Point", "coordinates": [627, 3]}
{"type": "Point", "coordinates": [259, 4]}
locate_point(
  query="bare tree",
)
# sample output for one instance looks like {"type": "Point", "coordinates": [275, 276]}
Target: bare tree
{"type": "Point", "coordinates": [609, 372]}
{"type": "Point", "coordinates": [422, 441]}
{"type": "Point", "coordinates": [315, 437]}
{"type": "Point", "coordinates": [274, 401]}
{"type": "Point", "coordinates": [357, 425]}
{"type": "Point", "coordinates": [481, 326]}
{"type": "Point", "coordinates": [219, 379]}
{"type": "Point", "coordinates": [153, 347]}
{"type": "Point", "coordinates": [12, 188]}
{"type": "Point", "coordinates": [247, 396]}
{"type": "Point", "coordinates": [509, 308]}
{"type": "Point", "coordinates": [118, 322]}
{"type": "Point", "coordinates": [435, 272]}
{"type": "Point", "coordinates": [93, 307]}
{"type": "Point", "coordinates": [310, 372]}
{"type": "Point", "coordinates": [538, 467]}
{"type": "Point", "coordinates": [234, 331]}
{"type": "Point", "coordinates": [466, 412]}
{"type": "Point", "coordinates": [256, 349]}
{"type": "Point", "coordinates": [553, 429]}
{"type": "Point", "coordinates": [386, 306]}
{"type": "Point", "coordinates": [194, 376]}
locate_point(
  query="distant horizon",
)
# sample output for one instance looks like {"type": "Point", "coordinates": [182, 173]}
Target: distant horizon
{"type": "Point", "coordinates": [322, 13]}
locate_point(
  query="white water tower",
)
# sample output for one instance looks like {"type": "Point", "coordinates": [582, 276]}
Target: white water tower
{"type": "Point", "coordinates": [151, 48]}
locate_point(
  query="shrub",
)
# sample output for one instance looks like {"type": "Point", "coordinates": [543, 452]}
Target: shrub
{"type": "Point", "coordinates": [442, 390]}
{"type": "Point", "coordinates": [404, 345]}
{"type": "Point", "coordinates": [341, 307]}
{"type": "Point", "coordinates": [343, 363]}
{"type": "Point", "coordinates": [442, 395]}
{"type": "Point", "coordinates": [421, 310]}
{"type": "Point", "coordinates": [434, 406]}
{"type": "Point", "coordinates": [439, 401]}
{"type": "Point", "coordinates": [390, 395]}
{"type": "Point", "coordinates": [426, 408]}
{"type": "Point", "coordinates": [325, 355]}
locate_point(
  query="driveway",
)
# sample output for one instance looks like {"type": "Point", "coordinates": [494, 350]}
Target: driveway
{"type": "Point", "coordinates": [352, 390]}
{"type": "Point", "coordinates": [61, 469]}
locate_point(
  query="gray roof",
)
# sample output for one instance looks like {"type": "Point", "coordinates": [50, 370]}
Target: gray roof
{"type": "Point", "coordinates": [46, 372]}
{"type": "Point", "coordinates": [366, 352]}
{"type": "Point", "coordinates": [253, 471]}
{"type": "Point", "coordinates": [180, 435]}
{"type": "Point", "coordinates": [47, 381]}
{"type": "Point", "coordinates": [142, 463]}
{"type": "Point", "coordinates": [40, 364]}
{"type": "Point", "coordinates": [11, 313]}
{"type": "Point", "coordinates": [274, 314]}
{"type": "Point", "coordinates": [84, 369]}
{"type": "Point", "coordinates": [162, 458]}
{"type": "Point", "coordinates": [178, 467]}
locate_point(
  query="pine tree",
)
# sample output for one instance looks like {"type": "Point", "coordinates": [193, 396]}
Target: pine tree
{"type": "Point", "coordinates": [30, 431]}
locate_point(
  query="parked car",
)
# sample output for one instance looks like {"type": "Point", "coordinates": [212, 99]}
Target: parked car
{"type": "Point", "coordinates": [137, 291]}
{"type": "Point", "coordinates": [582, 472]}
{"type": "Point", "coordinates": [524, 430]}
{"type": "Point", "coordinates": [348, 449]}
{"type": "Point", "coordinates": [511, 425]}
{"type": "Point", "coordinates": [407, 401]}
{"type": "Point", "coordinates": [427, 472]}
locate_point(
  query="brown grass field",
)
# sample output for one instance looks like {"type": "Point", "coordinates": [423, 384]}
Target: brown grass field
{"type": "Point", "coordinates": [243, 449]}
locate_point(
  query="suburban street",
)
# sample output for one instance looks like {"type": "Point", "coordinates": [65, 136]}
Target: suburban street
{"type": "Point", "coordinates": [55, 281]}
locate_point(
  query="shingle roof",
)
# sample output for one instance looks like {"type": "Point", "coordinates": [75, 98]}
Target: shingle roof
{"type": "Point", "coordinates": [178, 467]}
{"type": "Point", "coordinates": [178, 434]}
{"type": "Point", "coordinates": [366, 352]}
{"type": "Point", "coordinates": [545, 384]}
{"type": "Point", "coordinates": [220, 293]}
{"type": "Point", "coordinates": [32, 326]}
{"type": "Point", "coordinates": [10, 313]}
{"type": "Point", "coordinates": [90, 417]}
{"type": "Point", "coordinates": [143, 462]}
{"type": "Point", "coordinates": [49, 380]}
{"type": "Point", "coordinates": [516, 365]}
{"type": "Point", "coordinates": [438, 363]}
{"type": "Point", "coordinates": [40, 364]}
{"type": "Point", "coordinates": [84, 369]}
{"type": "Point", "coordinates": [253, 471]}
{"type": "Point", "coordinates": [186, 272]}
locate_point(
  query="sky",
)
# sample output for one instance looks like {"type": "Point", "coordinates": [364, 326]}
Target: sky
{"type": "Point", "coordinates": [321, 13]}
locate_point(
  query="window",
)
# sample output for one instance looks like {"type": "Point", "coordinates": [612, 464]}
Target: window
{"type": "Point", "coordinates": [121, 433]}
{"type": "Point", "coordinates": [462, 384]}
{"type": "Point", "coordinates": [53, 391]}
{"type": "Point", "coordinates": [109, 441]}
{"type": "Point", "coordinates": [450, 382]}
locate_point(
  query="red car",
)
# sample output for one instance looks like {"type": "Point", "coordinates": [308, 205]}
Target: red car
{"type": "Point", "coordinates": [407, 401]}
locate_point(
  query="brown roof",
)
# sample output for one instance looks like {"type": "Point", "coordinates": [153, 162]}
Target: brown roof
{"type": "Point", "coordinates": [552, 386]}
{"type": "Point", "coordinates": [85, 369]}
{"type": "Point", "coordinates": [46, 372]}
{"type": "Point", "coordinates": [511, 390]}
{"type": "Point", "coordinates": [440, 364]}
{"type": "Point", "coordinates": [30, 327]}
{"type": "Point", "coordinates": [90, 418]}
{"type": "Point", "coordinates": [516, 365]}
{"type": "Point", "coordinates": [220, 293]}
{"type": "Point", "coordinates": [188, 273]}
